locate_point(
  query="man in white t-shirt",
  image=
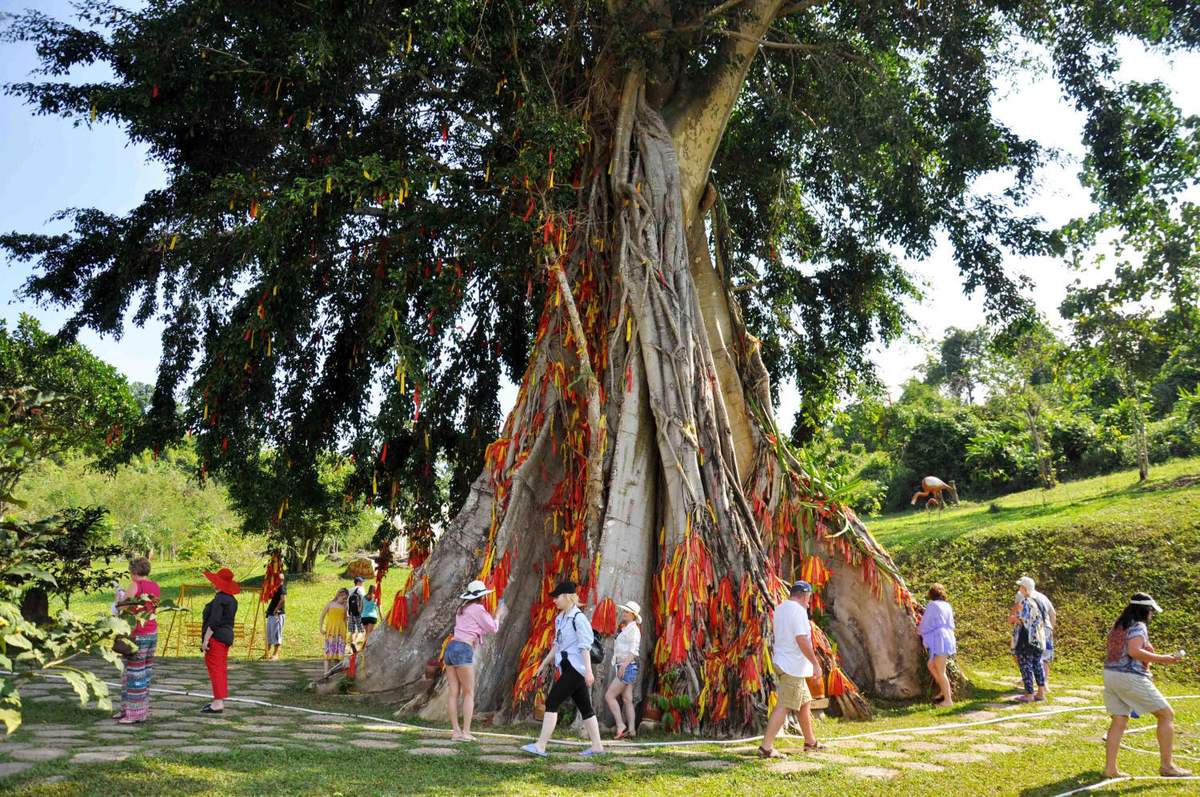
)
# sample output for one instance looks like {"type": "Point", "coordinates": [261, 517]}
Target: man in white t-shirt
{"type": "Point", "coordinates": [795, 660]}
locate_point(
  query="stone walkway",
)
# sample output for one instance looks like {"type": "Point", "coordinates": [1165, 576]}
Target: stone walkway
{"type": "Point", "coordinates": [176, 729]}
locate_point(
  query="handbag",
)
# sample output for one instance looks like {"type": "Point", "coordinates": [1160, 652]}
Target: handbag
{"type": "Point", "coordinates": [124, 645]}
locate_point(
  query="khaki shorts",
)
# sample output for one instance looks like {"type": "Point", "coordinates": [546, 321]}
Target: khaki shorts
{"type": "Point", "coordinates": [1125, 692]}
{"type": "Point", "coordinates": [793, 692]}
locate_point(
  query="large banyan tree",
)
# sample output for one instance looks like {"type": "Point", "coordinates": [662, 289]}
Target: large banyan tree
{"type": "Point", "coordinates": [377, 211]}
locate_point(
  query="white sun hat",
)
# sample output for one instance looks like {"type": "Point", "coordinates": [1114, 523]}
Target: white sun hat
{"type": "Point", "coordinates": [633, 607]}
{"type": "Point", "coordinates": [476, 589]}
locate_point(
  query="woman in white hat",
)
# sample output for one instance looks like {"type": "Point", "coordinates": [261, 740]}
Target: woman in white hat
{"type": "Point", "coordinates": [471, 625]}
{"type": "Point", "coordinates": [625, 669]}
{"type": "Point", "coordinates": [1128, 689]}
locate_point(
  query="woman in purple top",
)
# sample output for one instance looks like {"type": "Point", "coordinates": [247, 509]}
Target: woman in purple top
{"type": "Point", "coordinates": [937, 632]}
{"type": "Point", "coordinates": [471, 625]}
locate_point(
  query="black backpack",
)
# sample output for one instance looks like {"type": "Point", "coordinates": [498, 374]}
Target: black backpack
{"type": "Point", "coordinates": [356, 605]}
{"type": "Point", "coordinates": [597, 644]}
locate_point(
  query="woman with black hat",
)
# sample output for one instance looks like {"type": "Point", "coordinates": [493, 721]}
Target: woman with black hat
{"type": "Point", "coordinates": [216, 635]}
{"type": "Point", "coordinates": [572, 651]}
{"type": "Point", "coordinates": [1128, 688]}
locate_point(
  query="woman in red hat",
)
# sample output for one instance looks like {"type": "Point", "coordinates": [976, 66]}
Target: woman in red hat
{"type": "Point", "coordinates": [217, 635]}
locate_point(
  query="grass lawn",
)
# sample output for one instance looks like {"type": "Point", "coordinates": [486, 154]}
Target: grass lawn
{"type": "Point", "coordinates": [307, 596]}
{"type": "Point", "coordinates": [1167, 498]}
{"type": "Point", "coordinates": [1018, 753]}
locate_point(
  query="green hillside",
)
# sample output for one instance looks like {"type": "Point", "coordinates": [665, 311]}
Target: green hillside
{"type": "Point", "coordinates": [1088, 544]}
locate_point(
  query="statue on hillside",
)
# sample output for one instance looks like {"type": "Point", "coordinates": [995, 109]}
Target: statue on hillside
{"type": "Point", "coordinates": [934, 489]}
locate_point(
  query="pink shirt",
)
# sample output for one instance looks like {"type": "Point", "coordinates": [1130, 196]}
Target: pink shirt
{"type": "Point", "coordinates": [473, 623]}
{"type": "Point", "coordinates": [144, 586]}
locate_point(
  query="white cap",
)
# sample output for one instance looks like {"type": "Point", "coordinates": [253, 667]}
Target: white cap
{"type": "Point", "coordinates": [1026, 582]}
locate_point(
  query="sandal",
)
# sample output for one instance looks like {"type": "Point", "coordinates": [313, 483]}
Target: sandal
{"type": "Point", "coordinates": [127, 721]}
{"type": "Point", "coordinates": [621, 734]}
{"type": "Point", "coordinates": [210, 710]}
{"type": "Point", "coordinates": [772, 753]}
{"type": "Point", "coordinates": [1175, 772]}
{"type": "Point", "coordinates": [814, 746]}
{"type": "Point", "coordinates": [119, 715]}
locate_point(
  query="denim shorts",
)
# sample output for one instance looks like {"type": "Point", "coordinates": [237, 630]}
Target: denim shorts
{"type": "Point", "coordinates": [631, 673]}
{"type": "Point", "coordinates": [459, 654]}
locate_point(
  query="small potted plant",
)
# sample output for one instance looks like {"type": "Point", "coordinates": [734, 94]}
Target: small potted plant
{"type": "Point", "coordinates": [652, 708]}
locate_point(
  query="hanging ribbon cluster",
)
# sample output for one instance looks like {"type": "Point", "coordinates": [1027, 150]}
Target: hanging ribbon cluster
{"type": "Point", "coordinates": [273, 577]}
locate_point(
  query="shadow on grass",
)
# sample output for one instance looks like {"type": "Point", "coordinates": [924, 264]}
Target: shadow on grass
{"type": "Point", "coordinates": [1086, 779]}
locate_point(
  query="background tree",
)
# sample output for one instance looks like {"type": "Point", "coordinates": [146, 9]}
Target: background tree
{"type": "Point", "coordinates": [958, 365]}
{"type": "Point", "coordinates": [102, 410]}
{"type": "Point", "coordinates": [376, 205]}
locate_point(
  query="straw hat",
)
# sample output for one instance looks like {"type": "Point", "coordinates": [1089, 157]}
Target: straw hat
{"type": "Point", "coordinates": [476, 589]}
{"type": "Point", "coordinates": [223, 581]}
{"type": "Point", "coordinates": [633, 607]}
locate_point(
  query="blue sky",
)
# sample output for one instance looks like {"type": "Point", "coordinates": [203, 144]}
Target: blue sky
{"type": "Point", "coordinates": [46, 164]}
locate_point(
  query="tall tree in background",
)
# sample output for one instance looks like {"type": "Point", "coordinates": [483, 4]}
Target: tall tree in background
{"type": "Point", "coordinates": [959, 364]}
{"type": "Point", "coordinates": [395, 201]}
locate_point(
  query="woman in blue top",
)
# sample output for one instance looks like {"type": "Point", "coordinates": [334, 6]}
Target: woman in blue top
{"type": "Point", "coordinates": [937, 632]}
{"type": "Point", "coordinates": [370, 613]}
{"type": "Point", "coordinates": [572, 651]}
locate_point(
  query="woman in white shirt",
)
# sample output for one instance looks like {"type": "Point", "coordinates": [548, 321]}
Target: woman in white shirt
{"type": "Point", "coordinates": [625, 669]}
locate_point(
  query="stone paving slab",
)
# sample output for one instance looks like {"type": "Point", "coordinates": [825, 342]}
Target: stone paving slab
{"type": "Point", "coordinates": [994, 747]}
{"type": "Point", "coordinates": [710, 763]}
{"type": "Point", "coordinates": [922, 747]}
{"type": "Point", "coordinates": [193, 749]}
{"type": "Point", "coordinates": [376, 744]}
{"type": "Point", "coordinates": [13, 768]}
{"type": "Point", "coordinates": [635, 761]}
{"type": "Point", "coordinates": [795, 767]}
{"type": "Point", "coordinates": [496, 758]}
{"type": "Point", "coordinates": [834, 758]}
{"type": "Point", "coordinates": [439, 751]}
{"type": "Point", "coordinates": [38, 754]}
{"type": "Point", "coordinates": [858, 744]}
{"type": "Point", "coordinates": [920, 766]}
{"type": "Point", "coordinates": [879, 773]}
{"type": "Point", "coordinates": [890, 754]}
{"type": "Point", "coordinates": [963, 758]}
{"type": "Point", "coordinates": [105, 757]}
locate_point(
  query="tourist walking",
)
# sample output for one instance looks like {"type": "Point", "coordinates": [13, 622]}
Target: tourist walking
{"type": "Point", "coordinates": [1049, 617]}
{"type": "Point", "coordinates": [795, 661]}
{"type": "Point", "coordinates": [1029, 643]}
{"type": "Point", "coordinates": [139, 598]}
{"type": "Point", "coordinates": [937, 634]}
{"type": "Point", "coordinates": [332, 623]}
{"type": "Point", "coordinates": [571, 652]}
{"type": "Point", "coordinates": [370, 613]}
{"type": "Point", "coordinates": [1128, 688]}
{"type": "Point", "coordinates": [216, 635]}
{"type": "Point", "coordinates": [472, 622]}
{"type": "Point", "coordinates": [275, 619]}
{"type": "Point", "coordinates": [625, 670]}
{"type": "Point", "coordinates": [354, 610]}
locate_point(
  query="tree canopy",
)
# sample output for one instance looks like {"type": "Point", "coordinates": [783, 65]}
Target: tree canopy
{"type": "Point", "coordinates": [344, 249]}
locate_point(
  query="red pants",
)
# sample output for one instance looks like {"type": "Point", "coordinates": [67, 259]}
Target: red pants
{"type": "Point", "coordinates": [215, 660]}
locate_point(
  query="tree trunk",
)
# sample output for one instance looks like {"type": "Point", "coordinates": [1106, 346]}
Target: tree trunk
{"type": "Point", "coordinates": [663, 481]}
{"type": "Point", "coordinates": [1045, 468]}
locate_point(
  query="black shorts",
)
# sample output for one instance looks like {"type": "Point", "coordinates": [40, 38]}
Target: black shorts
{"type": "Point", "coordinates": [571, 684]}
{"type": "Point", "coordinates": [369, 621]}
